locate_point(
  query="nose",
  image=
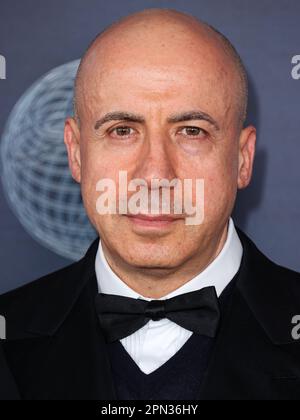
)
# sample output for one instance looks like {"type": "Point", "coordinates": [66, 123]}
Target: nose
{"type": "Point", "coordinates": [156, 160]}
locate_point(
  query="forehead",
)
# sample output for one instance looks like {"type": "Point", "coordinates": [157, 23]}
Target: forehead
{"type": "Point", "coordinates": [198, 76]}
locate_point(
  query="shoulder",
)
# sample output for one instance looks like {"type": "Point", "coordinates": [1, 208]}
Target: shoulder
{"type": "Point", "coordinates": [40, 287]}
{"type": "Point", "coordinates": [271, 291]}
{"type": "Point", "coordinates": [263, 265]}
{"type": "Point", "coordinates": [49, 297]}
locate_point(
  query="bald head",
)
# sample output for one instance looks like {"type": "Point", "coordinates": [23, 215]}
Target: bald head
{"type": "Point", "coordinates": [161, 33]}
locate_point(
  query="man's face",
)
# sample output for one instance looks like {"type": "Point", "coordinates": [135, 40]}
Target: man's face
{"type": "Point", "coordinates": [156, 88]}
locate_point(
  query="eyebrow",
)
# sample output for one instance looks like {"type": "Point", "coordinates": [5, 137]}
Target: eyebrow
{"type": "Point", "coordinates": [193, 116]}
{"type": "Point", "coordinates": [119, 116]}
{"type": "Point", "coordinates": [186, 116]}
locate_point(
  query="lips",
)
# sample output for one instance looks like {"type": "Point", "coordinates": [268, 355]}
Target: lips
{"type": "Point", "coordinates": [156, 218]}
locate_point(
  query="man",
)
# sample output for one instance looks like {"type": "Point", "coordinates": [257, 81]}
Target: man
{"type": "Point", "coordinates": [159, 309]}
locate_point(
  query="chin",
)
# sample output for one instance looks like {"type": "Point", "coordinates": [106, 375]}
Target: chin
{"type": "Point", "coordinates": [151, 258]}
{"type": "Point", "coordinates": [154, 263]}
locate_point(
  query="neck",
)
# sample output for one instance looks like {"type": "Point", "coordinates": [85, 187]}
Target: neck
{"type": "Point", "coordinates": [159, 282]}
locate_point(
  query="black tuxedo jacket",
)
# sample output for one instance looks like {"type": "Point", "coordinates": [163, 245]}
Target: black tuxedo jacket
{"type": "Point", "coordinates": [8, 388]}
{"type": "Point", "coordinates": [56, 350]}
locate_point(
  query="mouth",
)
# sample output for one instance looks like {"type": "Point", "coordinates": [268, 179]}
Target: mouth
{"type": "Point", "coordinates": [157, 221]}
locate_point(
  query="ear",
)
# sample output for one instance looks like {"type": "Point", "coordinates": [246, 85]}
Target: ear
{"type": "Point", "coordinates": [72, 142]}
{"type": "Point", "coordinates": [247, 143]}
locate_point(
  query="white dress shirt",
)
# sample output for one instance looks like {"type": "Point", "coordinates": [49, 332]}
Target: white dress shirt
{"type": "Point", "coordinates": [158, 341]}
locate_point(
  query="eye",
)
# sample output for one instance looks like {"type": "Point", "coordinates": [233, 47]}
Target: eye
{"type": "Point", "coordinates": [122, 132]}
{"type": "Point", "coordinates": [193, 132]}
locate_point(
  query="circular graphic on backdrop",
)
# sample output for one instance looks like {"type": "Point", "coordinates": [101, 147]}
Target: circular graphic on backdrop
{"type": "Point", "coordinates": [35, 172]}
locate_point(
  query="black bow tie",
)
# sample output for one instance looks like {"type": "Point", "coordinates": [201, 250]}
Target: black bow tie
{"type": "Point", "coordinates": [121, 316]}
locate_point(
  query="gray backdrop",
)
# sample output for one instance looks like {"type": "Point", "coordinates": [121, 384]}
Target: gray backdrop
{"type": "Point", "coordinates": [36, 36]}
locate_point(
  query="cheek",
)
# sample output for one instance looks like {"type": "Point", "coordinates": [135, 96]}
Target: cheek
{"type": "Point", "coordinates": [93, 169]}
{"type": "Point", "coordinates": [220, 182]}
{"type": "Point", "coordinates": [221, 188]}
{"type": "Point", "coordinates": [96, 165]}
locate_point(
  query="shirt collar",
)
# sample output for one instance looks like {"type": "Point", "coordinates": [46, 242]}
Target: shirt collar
{"type": "Point", "coordinates": [218, 273]}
